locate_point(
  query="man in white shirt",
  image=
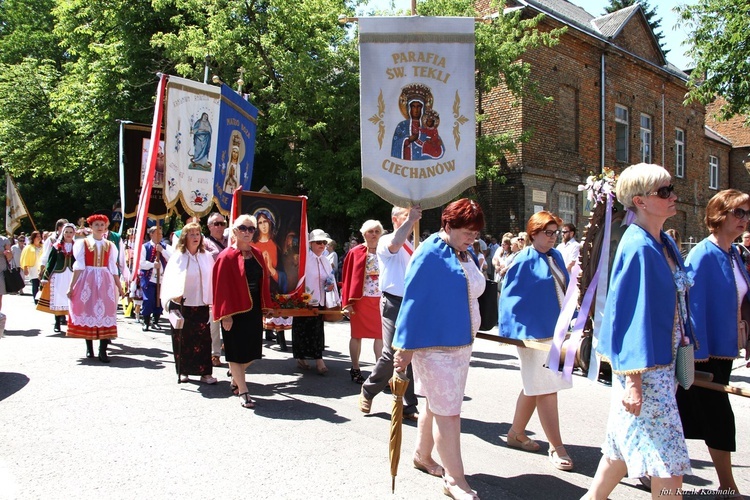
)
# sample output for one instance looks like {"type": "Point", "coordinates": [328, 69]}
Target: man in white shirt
{"type": "Point", "coordinates": [394, 253]}
{"type": "Point", "coordinates": [215, 242]}
{"type": "Point", "coordinates": [569, 248]}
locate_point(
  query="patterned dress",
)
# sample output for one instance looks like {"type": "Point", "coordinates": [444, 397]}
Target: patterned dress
{"type": "Point", "coordinates": [651, 443]}
{"type": "Point", "coordinates": [366, 320]}
{"type": "Point", "coordinates": [93, 303]}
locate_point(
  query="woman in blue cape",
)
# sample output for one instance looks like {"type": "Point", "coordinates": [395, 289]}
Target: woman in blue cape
{"type": "Point", "coordinates": [721, 285]}
{"type": "Point", "coordinates": [644, 321]}
{"type": "Point", "coordinates": [435, 329]}
{"type": "Point", "coordinates": [530, 303]}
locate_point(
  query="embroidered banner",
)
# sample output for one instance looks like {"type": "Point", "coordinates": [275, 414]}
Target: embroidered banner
{"type": "Point", "coordinates": [135, 142]}
{"type": "Point", "coordinates": [191, 137]}
{"type": "Point", "coordinates": [237, 119]}
{"type": "Point", "coordinates": [417, 120]}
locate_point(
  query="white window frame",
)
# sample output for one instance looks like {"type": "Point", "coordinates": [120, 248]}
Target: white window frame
{"type": "Point", "coordinates": [566, 207]}
{"type": "Point", "coordinates": [622, 123]}
{"type": "Point", "coordinates": [679, 152]}
{"type": "Point", "coordinates": [646, 135]}
{"type": "Point", "coordinates": [713, 172]}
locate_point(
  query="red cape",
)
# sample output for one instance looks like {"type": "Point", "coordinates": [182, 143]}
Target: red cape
{"type": "Point", "coordinates": [353, 275]}
{"type": "Point", "coordinates": [231, 293]}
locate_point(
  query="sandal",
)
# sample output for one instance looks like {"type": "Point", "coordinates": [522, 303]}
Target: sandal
{"type": "Point", "coordinates": [526, 444]}
{"type": "Point", "coordinates": [356, 375]}
{"type": "Point", "coordinates": [234, 387]}
{"type": "Point", "coordinates": [455, 492]}
{"type": "Point", "coordinates": [302, 364]}
{"type": "Point", "coordinates": [433, 469]}
{"type": "Point", "coordinates": [216, 360]}
{"type": "Point", "coordinates": [561, 462]}
{"type": "Point", "coordinates": [245, 400]}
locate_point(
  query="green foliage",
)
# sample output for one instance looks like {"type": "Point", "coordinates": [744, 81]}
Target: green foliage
{"type": "Point", "coordinates": [719, 47]}
{"type": "Point", "coordinates": [648, 11]}
{"type": "Point", "coordinates": [70, 72]}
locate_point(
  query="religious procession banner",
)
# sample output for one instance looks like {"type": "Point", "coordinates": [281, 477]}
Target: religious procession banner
{"type": "Point", "coordinates": [15, 208]}
{"type": "Point", "coordinates": [236, 147]}
{"type": "Point", "coordinates": [136, 139]}
{"type": "Point", "coordinates": [417, 120]}
{"type": "Point", "coordinates": [191, 138]}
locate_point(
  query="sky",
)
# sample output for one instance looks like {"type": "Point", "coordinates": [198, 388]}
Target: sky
{"type": "Point", "coordinates": [673, 37]}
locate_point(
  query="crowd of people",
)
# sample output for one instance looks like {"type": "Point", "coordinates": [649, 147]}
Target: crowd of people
{"type": "Point", "coordinates": [419, 306]}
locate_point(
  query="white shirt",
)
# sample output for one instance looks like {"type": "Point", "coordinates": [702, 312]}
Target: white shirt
{"type": "Point", "coordinates": [392, 265]}
{"type": "Point", "coordinates": [569, 251]}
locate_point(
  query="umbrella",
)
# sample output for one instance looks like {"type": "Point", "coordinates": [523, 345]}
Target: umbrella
{"type": "Point", "coordinates": [398, 383]}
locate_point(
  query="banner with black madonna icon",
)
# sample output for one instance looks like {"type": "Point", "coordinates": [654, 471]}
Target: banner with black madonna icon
{"type": "Point", "coordinates": [417, 108]}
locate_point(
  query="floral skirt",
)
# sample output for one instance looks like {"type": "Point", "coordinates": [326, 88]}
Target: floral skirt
{"type": "Point", "coordinates": [440, 376]}
{"type": "Point", "coordinates": [651, 443]}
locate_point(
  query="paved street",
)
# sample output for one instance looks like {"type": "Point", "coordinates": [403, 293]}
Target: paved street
{"type": "Point", "coordinates": [76, 428]}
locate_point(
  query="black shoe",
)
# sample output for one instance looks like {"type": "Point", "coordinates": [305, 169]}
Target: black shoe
{"type": "Point", "coordinates": [90, 349]}
{"type": "Point", "coordinates": [103, 351]}
{"type": "Point", "coordinates": [57, 328]}
{"type": "Point", "coordinates": [282, 341]}
{"type": "Point", "coordinates": [356, 375]}
{"type": "Point", "coordinates": [270, 336]}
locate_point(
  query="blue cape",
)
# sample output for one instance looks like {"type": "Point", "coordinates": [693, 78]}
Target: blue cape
{"type": "Point", "coordinates": [639, 315]}
{"type": "Point", "coordinates": [713, 300]}
{"type": "Point", "coordinates": [435, 311]}
{"type": "Point", "coordinates": [528, 302]}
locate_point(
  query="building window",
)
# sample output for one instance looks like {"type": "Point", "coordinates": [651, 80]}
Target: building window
{"type": "Point", "coordinates": [713, 172]}
{"type": "Point", "coordinates": [567, 208]}
{"type": "Point", "coordinates": [621, 133]}
{"type": "Point", "coordinates": [567, 118]}
{"type": "Point", "coordinates": [679, 152]}
{"type": "Point", "coordinates": [645, 138]}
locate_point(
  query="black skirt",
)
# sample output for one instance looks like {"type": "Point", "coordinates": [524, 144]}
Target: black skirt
{"type": "Point", "coordinates": [192, 345]}
{"type": "Point", "coordinates": [707, 414]}
{"type": "Point", "coordinates": [244, 342]}
{"type": "Point", "coordinates": [308, 337]}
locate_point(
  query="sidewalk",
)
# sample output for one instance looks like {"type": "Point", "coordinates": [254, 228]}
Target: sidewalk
{"type": "Point", "coordinates": [77, 428]}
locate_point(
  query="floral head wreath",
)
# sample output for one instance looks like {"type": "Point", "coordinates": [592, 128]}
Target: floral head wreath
{"type": "Point", "coordinates": [98, 217]}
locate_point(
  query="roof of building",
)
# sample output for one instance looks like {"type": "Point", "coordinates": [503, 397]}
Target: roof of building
{"type": "Point", "coordinates": [714, 135]}
{"type": "Point", "coordinates": [733, 129]}
{"type": "Point", "coordinates": [605, 27]}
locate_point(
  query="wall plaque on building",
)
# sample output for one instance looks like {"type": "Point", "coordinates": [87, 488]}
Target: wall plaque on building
{"type": "Point", "coordinates": [539, 196]}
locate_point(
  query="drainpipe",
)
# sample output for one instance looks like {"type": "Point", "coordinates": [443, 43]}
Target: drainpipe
{"type": "Point", "coordinates": [663, 143]}
{"type": "Point", "coordinates": [603, 114]}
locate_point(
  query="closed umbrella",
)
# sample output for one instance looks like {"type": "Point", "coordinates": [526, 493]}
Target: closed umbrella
{"type": "Point", "coordinates": [398, 383]}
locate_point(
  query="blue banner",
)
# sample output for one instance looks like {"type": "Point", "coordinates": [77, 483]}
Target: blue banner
{"type": "Point", "coordinates": [236, 147]}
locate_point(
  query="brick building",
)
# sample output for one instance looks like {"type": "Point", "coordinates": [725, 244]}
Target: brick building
{"type": "Point", "coordinates": [735, 131]}
{"type": "Point", "coordinates": [616, 101]}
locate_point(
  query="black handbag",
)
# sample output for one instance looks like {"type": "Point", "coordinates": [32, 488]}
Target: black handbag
{"type": "Point", "coordinates": [488, 306]}
{"type": "Point", "coordinates": [14, 281]}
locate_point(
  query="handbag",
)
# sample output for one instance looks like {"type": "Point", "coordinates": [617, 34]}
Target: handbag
{"type": "Point", "coordinates": [685, 365]}
{"type": "Point", "coordinates": [14, 281]}
{"type": "Point", "coordinates": [488, 306]}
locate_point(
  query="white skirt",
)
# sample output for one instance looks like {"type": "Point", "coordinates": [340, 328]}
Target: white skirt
{"type": "Point", "coordinates": [58, 291]}
{"type": "Point", "coordinates": [440, 376]}
{"type": "Point", "coordinates": [536, 377]}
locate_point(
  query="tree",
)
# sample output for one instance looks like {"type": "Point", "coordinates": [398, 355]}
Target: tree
{"type": "Point", "coordinates": [721, 52]}
{"type": "Point", "coordinates": [648, 11]}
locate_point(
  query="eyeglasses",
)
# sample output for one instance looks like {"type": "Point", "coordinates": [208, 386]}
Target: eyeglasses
{"type": "Point", "coordinates": [220, 223]}
{"type": "Point", "coordinates": [318, 242]}
{"type": "Point", "coordinates": [663, 192]}
{"type": "Point", "coordinates": [551, 233]}
{"type": "Point", "coordinates": [740, 213]}
{"type": "Point", "coordinates": [245, 229]}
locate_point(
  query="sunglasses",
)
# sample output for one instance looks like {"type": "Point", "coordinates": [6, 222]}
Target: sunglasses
{"type": "Point", "coordinates": [740, 213]}
{"type": "Point", "coordinates": [663, 192]}
{"type": "Point", "coordinates": [245, 229]}
{"type": "Point", "coordinates": [318, 242]}
{"type": "Point", "coordinates": [550, 232]}
{"type": "Point", "coordinates": [220, 223]}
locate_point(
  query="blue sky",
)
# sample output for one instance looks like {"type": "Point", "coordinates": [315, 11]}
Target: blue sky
{"type": "Point", "coordinates": [673, 37]}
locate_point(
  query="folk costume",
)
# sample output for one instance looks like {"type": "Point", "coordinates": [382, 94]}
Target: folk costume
{"type": "Point", "coordinates": [58, 273]}
{"type": "Point", "coordinates": [721, 283]}
{"type": "Point", "coordinates": [308, 334]}
{"type": "Point", "coordinates": [361, 290]}
{"type": "Point", "coordinates": [93, 299]}
{"type": "Point", "coordinates": [187, 287]}
{"type": "Point", "coordinates": [149, 281]}
{"type": "Point", "coordinates": [530, 303]}
{"type": "Point", "coordinates": [640, 333]}
{"type": "Point", "coordinates": [241, 290]}
{"type": "Point", "coordinates": [438, 319]}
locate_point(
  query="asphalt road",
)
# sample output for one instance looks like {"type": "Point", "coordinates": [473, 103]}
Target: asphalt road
{"type": "Point", "coordinates": [76, 428]}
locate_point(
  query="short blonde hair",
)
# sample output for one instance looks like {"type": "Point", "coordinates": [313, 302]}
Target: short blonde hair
{"type": "Point", "coordinates": [639, 179]}
{"type": "Point", "coordinates": [371, 224]}
{"type": "Point", "coordinates": [242, 218]}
